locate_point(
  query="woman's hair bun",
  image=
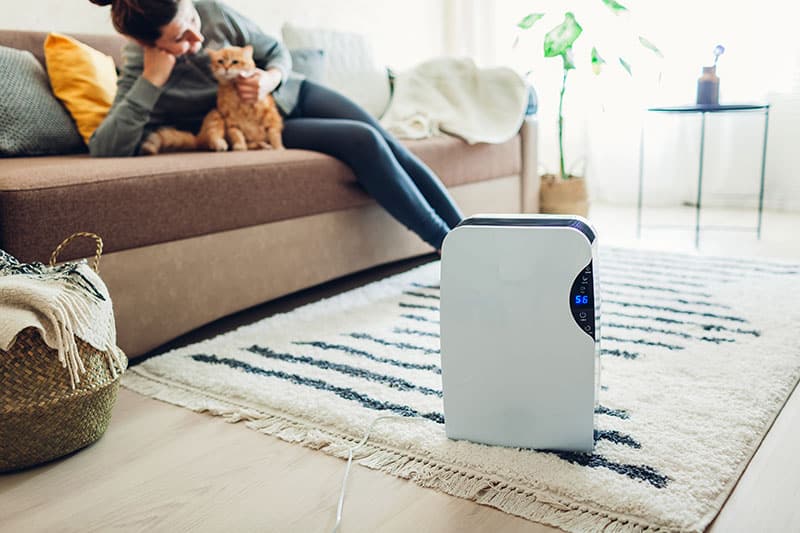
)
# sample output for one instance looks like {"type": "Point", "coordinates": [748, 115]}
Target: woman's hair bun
{"type": "Point", "coordinates": [102, 2]}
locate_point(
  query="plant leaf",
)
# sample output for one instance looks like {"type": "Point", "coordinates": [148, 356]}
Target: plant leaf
{"type": "Point", "coordinates": [625, 65]}
{"type": "Point", "coordinates": [560, 39]}
{"type": "Point", "coordinates": [569, 59]}
{"type": "Point", "coordinates": [650, 46]}
{"type": "Point", "coordinates": [615, 6]}
{"type": "Point", "coordinates": [597, 61]}
{"type": "Point", "coordinates": [530, 20]}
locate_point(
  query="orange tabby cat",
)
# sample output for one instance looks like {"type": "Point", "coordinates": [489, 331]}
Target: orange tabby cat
{"type": "Point", "coordinates": [234, 123]}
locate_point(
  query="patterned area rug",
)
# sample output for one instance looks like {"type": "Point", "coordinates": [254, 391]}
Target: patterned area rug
{"type": "Point", "coordinates": [699, 354]}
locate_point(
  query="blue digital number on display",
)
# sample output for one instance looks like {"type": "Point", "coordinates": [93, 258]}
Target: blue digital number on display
{"type": "Point", "coordinates": [581, 300]}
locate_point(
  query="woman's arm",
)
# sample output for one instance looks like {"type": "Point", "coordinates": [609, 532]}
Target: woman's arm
{"type": "Point", "coordinates": [138, 90]}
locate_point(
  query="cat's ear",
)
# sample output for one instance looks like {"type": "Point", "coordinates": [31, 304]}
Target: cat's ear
{"type": "Point", "coordinates": [248, 50]}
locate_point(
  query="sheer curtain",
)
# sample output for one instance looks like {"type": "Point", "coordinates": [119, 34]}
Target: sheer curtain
{"type": "Point", "coordinates": [604, 114]}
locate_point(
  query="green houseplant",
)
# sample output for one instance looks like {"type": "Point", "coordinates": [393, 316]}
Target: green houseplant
{"type": "Point", "coordinates": [566, 193]}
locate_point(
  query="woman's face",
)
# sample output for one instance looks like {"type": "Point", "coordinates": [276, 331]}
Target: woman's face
{"type": "Point", "coordinates": [182, 35]}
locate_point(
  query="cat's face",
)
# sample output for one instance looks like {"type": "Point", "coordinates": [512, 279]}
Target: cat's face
{"type": "Point", "coordinates": [229, 62]}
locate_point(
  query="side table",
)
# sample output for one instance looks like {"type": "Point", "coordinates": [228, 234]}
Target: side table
{"type": "Point", "coordinates": [704, 110]}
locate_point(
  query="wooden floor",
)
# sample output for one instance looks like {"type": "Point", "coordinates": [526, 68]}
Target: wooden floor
{"type": "Point", "coordinates": [163, 468]}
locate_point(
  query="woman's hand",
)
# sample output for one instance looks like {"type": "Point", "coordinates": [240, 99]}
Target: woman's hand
{"type": "Point", "coordinates": [257, 84]}
{"type": "Point", "coordinates": [158, 65]}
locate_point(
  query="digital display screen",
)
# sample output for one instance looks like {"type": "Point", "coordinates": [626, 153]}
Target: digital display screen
{"type": "Point", "coordinates": [581, 299]}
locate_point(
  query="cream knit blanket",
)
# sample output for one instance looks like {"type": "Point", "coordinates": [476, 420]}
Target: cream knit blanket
{"type": "Point", "coordinates": [62, 302]}
{"type": "Point", "coordinates": [454, 96]}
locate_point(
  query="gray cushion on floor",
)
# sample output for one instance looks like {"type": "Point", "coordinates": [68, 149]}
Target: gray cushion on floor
{"type": "Point", "coordinates": [32, 120]}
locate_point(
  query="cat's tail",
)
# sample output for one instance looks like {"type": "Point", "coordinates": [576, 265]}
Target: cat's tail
{"type": "Point", "coordinates": [168, 140]}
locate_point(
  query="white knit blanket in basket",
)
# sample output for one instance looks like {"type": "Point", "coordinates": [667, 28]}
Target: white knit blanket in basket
{"type": "Point", "coordinates": [63, 302]}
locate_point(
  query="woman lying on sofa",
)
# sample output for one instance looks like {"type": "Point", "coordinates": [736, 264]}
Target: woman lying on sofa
{"type": "Point", "coordinates": [166, 81]}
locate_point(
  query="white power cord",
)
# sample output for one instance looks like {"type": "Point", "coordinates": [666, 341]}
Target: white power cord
{"type": "Point", "coordinates": [350, 462]}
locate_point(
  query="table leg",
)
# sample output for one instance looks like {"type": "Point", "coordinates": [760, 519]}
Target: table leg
{"type": "Point", "coordinates": [641, 177]}
{"type": "Point", "coordinates": [700, 181]}
{"type": "Point", "coordinates": [763, 168]}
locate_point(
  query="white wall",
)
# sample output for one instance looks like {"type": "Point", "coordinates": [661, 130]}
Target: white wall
{"type": "Point", "coordinates": [403, 33]}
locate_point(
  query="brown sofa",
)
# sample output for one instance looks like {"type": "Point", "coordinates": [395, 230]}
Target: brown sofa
{"type": "Point", "coordinates": [190, 238]}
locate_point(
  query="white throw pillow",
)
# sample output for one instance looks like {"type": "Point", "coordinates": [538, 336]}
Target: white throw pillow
{"type": "Point", "coordinates": [351, 65]}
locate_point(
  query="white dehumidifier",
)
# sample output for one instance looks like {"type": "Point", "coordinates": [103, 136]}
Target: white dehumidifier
{"type": "Point", "coordinates": [520, 331]}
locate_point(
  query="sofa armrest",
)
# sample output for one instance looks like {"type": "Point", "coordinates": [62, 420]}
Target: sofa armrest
{"type": "Point", "coordinates": [530, 165]}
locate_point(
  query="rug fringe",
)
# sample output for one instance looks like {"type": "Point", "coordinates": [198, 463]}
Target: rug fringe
{"type": "Point", "coordinates": [422, 471]}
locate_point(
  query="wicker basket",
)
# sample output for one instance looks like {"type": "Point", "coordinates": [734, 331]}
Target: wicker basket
{"type": "Point", "coordinates": [41, 416]}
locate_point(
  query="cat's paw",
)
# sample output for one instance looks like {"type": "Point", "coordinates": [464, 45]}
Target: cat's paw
{"type": "Point", "coordinates": [239, 147]}
{"type": "Point", "coordinates": [218, 145]}
{"type": "Point", "coordinates": [151, 145]}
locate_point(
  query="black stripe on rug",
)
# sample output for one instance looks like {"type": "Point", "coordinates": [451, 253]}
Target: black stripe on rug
{"type": "Point", "coordinates": [704, 326]}
{"type": "Point", "coordinates": [683, 301]}
{"type": "Point", "coordinates": [417, 306]}
{"type": "Point", "coordinates": [421, 295]}
{"type": "Point", "coordinates": [643, 342]}
{"type": "Point", "coordinates": [361, 353]}
{"type": "Point", "coordinates": [642, 472]}
{"type": "Point", "coordinates": [420, 333]}
{"type": "Point", "coordinates": [420, 318]}
{"type": "Point", "coordinates": [424, 286]}
{"type": "Point", "coordinates": [617, 413]}
{"type": "Point", "coordinates": [626, 276]}
{"type": "Point", "coordinates": [675, 310]}
{"type": "Point", "coordinates": [384, 342]}
{"type": "Point", "coordinates": [657, 288]}
{"type": "Point", "coordinates": [342, 392]}
{"type": "Point", "coordinates": [393, 382]}
{"type": "Point", "coordinates": [616, 437]}
{"type": "Point", "coordinates": [647, 329]}
{"type": "Point", "coordinates": [663, 273]}
{"type": "Point", "coordinates": [613, 352]}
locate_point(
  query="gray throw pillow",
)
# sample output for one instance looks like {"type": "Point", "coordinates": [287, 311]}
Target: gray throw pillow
{"type": "Point", "coordinates": [32, 120]}
{"type": "Point", "coordinates": [310, 62]}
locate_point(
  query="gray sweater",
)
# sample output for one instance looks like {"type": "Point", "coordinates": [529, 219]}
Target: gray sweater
{"type": "Point", "coordinates": [191, 90]}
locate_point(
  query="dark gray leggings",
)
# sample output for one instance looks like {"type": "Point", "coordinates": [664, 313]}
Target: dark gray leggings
{"type": "Point", "coordinates": [325, 121]}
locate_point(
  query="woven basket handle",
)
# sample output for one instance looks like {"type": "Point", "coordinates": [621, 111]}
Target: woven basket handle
{"type": "Point", "coordinates": [98, 248]}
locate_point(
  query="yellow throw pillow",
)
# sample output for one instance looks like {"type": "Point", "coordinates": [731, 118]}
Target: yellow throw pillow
{"type": "Point", "coordinates": [84, 79]}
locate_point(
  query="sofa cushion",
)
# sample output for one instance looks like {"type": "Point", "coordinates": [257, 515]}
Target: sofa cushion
{"type": "Point", "coordinates": [311, 63]}
{"type": "Point", "coordinates": [138, 201]}
{"type": "Point", "coordinates": [352, 68]}
{"type": "Point", "coordinates": [32, 121]}
{"type": "Point", "coordinates": [84, 79]}
{"type": "Point", "coordinates": [33, 42]}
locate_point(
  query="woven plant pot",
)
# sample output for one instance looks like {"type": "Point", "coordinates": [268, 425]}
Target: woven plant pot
{"type": "Point", "coordinates": [564, 197]}
{"type": "Point", "coordinates": [41, 416]}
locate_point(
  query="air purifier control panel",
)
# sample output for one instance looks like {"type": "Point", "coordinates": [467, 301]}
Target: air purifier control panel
{"type": "Point", "coordinates": [581, 300]}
